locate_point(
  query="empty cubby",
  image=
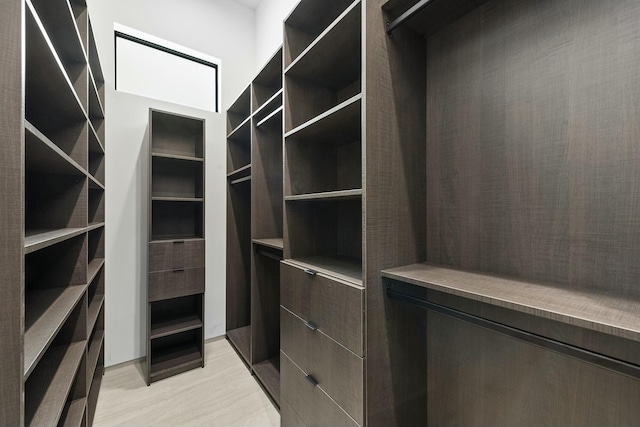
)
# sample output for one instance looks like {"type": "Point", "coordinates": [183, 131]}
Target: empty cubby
{"type": "Point", "coordinates": [176, 220]}
{"type": "Point", "coordinates": [173, 135]}
{"type": "Point", "coordinates": [176, 349]}
{"type": "Point", "coordinates": [96, 244]}
{"type": "Point", "coordinates": [239, 148]}
{"type": "Point", "coordinates": [96, 205]}
{"type": "Point", "coordinates": [268, 82]}
{"type": "Point", "coordinates": [51, 103]}
{"type": "Point", "coordinates": [239, 111]}
{"type": "Point", "coordinates": [176, 178]}
{"type": "Point", "coordinates": [176, 315]}
{"type": "Point", "coordinates": [328, 75]}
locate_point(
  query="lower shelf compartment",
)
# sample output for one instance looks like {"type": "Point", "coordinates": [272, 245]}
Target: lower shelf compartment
{"type": "Point", "coordinates": [92, 400]}
{"type": "Point", "coordinates": [268, 372]}
{"type": "Point", "coordinates": [241, 340]}
{"type": "Point", "coordinates": [73, 413]}
{"type": "Point", "coordinates": [173, 360]}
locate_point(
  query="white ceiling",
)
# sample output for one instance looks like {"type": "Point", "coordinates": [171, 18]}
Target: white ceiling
{"type": "Point", "coordinates": [249, 3]}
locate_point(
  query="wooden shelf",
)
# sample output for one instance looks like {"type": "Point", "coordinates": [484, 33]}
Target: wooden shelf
{"type": "Point", "coordinates": [270, 104]}
{"type": "Point", "coordinates": [327, 196]}
{"type": "Point", "coordinates": [95, 225]}
{"type": "Point", "coordinates": [94, 391]}
{"type": "Point", "coordinates": [95, 305]}
{"type": "Point", "coordinates": [52, 102]}
{"type": "Point", "coordinates": [341, 267]}
{"type": "Point", "coordinates": [241, 340]}
{"type": "Point", "coordinates": [93, 355]}
{"type": "Point", "coordinates": [334, 59]}
{"type": "Point", "coordinates": [427, 17]}
{"type": "Point", "coordinates": [46, 395]}
{"type": "Point", "coordinates": [268, 83]}
{"type": "Point", "coordinates": [175, 326]}
{"type": "Point", "coordinates": [43, 156]}
{"type": "Point", "coordinates": [240, 110]}
{"type": "Point", "coordinates": [94, 59]}
{"type": "Point", "coordinates": [73, 413]}
{"type": "Point", "coordinates": [177, 157]}
{"type": "Point", "coordinates": [344, 117]}
{"type": "Point", "coordinates": [35, 240]}
{"type": "Point", "coordinates": [241, 180]}
{"type": "Point", "coordinates": [45, 313]}
{"type": "Point", "coordinates": [268, 372]}
{"type": "Point", "coordinates": [177, 199]}
{"type": "Point", "coordinates": [275, 243]}
{"type": "Point", "coordinates": [94, 184]}
{"type": "Point", "coordinates": [306, 23]}
{"type": "Point", "coordinates": [174, 359]}
{"type": "Point", "coordinates": [242, 132]}
{"type": "Point", "coordinates": [95, 145]}
{"type": "Point", "coordinates": [274, 114]}
{"type": "Point", "coordinates": [610, 314]}
{"type": "Point", "coordinates": [93, 267]}
{"type": "Point", "coordinates": [240, 172]}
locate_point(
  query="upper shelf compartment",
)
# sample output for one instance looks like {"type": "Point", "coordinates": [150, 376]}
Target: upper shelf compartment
{"type": "Point", "coordinates": [426, 17]}
{"type": "Point", "coordinates": [306, 23]}
{"type": "Point", "coordinates": [52, 105]}
{"type": "Point", "coordinates": [94, 64]}
{"type": "Point", "coordinates": [59, 23]}
{"type": "Point", "coordinates": [268, 82]}
{"type": "Point", "coordinates": [328, 72]}
{"type": "Point", "coordinates": [239, 111]}
{"type": "Point", "coordinates": [177, 136]}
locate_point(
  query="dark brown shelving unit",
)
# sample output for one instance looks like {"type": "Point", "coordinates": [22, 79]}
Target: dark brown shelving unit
{"type": "Point", "coordinates": [175, 316]}
{"type": "Point", "coordinates": [254, 224]}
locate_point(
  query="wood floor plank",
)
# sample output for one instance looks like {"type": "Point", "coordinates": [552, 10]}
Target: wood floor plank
{"type": "Point", "coordinates": [223, 393]}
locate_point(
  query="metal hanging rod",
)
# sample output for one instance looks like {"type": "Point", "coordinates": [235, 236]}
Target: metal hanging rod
{"type": "Point", "coordinates": [413, 10]}
{"type": "Point", "coordinates": [588, 356]}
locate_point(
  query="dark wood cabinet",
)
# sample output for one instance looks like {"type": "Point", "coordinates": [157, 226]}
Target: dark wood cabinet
{"type": "Point", "coordinates": [176, 270]}
{"type": "Point", "coordinates": [254, 224]}
{"type": "Point", "coordinates": [52, 215]}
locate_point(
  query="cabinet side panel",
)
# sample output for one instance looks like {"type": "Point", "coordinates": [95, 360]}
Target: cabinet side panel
{"type": "Point", "coordinates": [394, 227]}
{"type": "Point", "coordinates": [11, 211]}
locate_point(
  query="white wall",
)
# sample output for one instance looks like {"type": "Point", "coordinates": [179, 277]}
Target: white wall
{"type": "Point", "coordinates": [220, 28]}
{"type": "Point", "coordinates": [269, 32]}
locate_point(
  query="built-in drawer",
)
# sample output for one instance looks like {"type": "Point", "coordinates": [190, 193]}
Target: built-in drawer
{"type": "Point", "coordinates": [307, 399]}
{"type": "Point", "coordinates": [172, 255]}
{"type": "Point", "coordinates": [338, 371]}
{"type": "Point", "coordinates": [173, 284]}
{"type": "Point", "coordinates": [335, 307]}
{"type": "Point", "coordinates": [288, 417]}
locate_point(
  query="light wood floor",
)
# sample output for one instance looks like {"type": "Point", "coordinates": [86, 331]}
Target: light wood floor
{"type": "Point", "coordinates": [223, 393]}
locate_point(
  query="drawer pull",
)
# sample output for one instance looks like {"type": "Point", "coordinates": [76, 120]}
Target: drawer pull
{"type": "Point", "coordinates": [311, 272]}
{"type": "Point", "coordinates": [178, 270]}
{"type": "Point", "coordinates": [311, 380]}
{"type": "Point", "coordinates": [311, 326]}
{"type": "Point", "coordinates": [177, 242]}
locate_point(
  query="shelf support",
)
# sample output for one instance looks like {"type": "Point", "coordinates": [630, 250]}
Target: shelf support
{"type": "Point", "coordinates": [593, 358]}
{"type": "Point", "coordinates": [410, 13]}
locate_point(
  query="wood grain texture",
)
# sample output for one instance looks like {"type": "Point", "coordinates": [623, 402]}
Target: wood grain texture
{"type": "Point", "coordinates": [241, 340]}
{"type": "Point", "coordinates": [267, 82]}
{"type": "Point", "coordinates": [334, 307]}
{"type": "Point", "coordinates": [55, 201]}
{"type": "Point", "coordinates": [268, 373]}
{"type": "Point", "coordinates": [338, 371]}
{"type": "Point", "coordinates": [176, 134]}
{"type": "Point", "coordinates": [265, 308]}
{"type": "Point", "coordinates": [165, 256]}
{"type": "Point", "coordinates": [11, 212]}
{"type": "Point", "coordinates": [394, 211]}
{"type": "Point", "coordinates": [240, 110]}
{"type": "Point", "coordinates": [306, 22]}
{"type": "Point", "coordinates": [174, 178]}
{"type": "Point", "coordinates": [519, 118]}
{"type": "Point", "coordinates": [597, 342]}
{"type": "Point", "coordinates": [312, 404]}
{"type": "Point", "coordinates": [607, 313]}
{"type": "Point", "coordinates": [528, 385]}
{"type": "Point", "coordinates": [173, 284]}
{"type": "Point", "coordinates": [288, 416]}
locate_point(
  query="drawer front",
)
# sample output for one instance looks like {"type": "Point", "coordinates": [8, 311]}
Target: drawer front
{"type": "Point", "coordinates": [166, 256]}
{"type": "Point", "coordinates": [339, 372]}
{"type": "Point", "coordinates": [311, 404]}
{"type": "Point", "coordinates": [332, 306]}
{"type": "Point", "coordinates": [288, 417]}
{"type": "Point", "coordinates": [173, 284]}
